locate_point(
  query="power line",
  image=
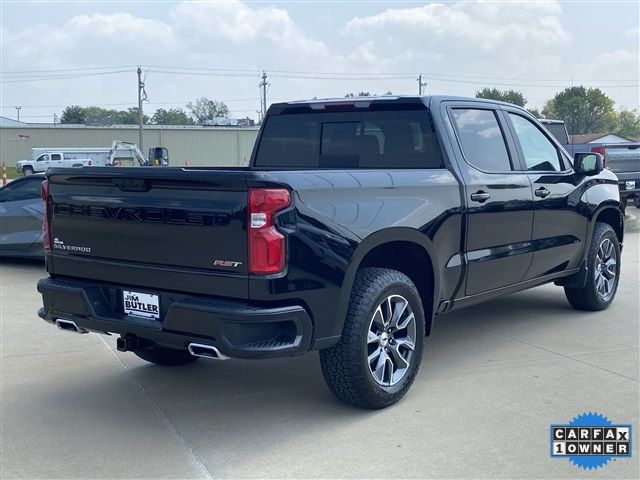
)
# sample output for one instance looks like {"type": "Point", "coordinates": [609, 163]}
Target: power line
{"type": "Point", "coordinates": [58, 77]}
{"type": "Point", "coordinates": [294, 73]}
{"type": "Point", "coordinates": [124, 104]}
{"type": "Point", "coordinates": [66, 69]}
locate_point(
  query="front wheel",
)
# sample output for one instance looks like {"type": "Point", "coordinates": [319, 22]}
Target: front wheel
{"type": "Point", "coordinates": [27, 171]}
{"type": "Point", "coordinates": [375, 362]}
{"type": "Point", "coordinates": [603, 272]}
{"type": "Point", "coordinates": [163, 356]}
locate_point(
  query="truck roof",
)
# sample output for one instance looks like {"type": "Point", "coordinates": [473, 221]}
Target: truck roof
{"type": "Point", "coordinates": [364, 102]}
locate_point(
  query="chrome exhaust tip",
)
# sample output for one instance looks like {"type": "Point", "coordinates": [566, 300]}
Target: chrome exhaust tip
{"type": "Point", "coordinates": [69, 326]}
{"type": "Point", "coordinates": [206, 351]}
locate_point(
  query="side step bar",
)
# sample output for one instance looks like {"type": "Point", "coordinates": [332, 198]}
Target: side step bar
{"type": "Point", "coordinates": [69, 326]}
{"type": "Point", "coordinates": [206, 351]}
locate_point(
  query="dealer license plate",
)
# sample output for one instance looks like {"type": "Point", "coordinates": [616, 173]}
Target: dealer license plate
{"type": "Point", "coordinates": [141, 304]}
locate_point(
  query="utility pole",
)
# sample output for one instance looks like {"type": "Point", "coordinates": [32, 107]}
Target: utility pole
{"type": "Point", "coordinates": [421, 84]}
{"type": "Point", "coordinates": [263, 93]}
{"type": "Point", "coordinates": [18, 109]}
{"type": "Point", "coordinates": [142, 95]}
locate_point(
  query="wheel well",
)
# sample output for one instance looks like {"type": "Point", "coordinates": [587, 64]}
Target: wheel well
{"type": "Point", "coordinates": [412, 260]}
{"type": "Point", "coordinates": [614, 218]}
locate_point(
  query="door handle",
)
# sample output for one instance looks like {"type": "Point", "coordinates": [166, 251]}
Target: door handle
{"type": "Point", "coordinates": [480, 196]}
{"type": "Point", "coordinates": [542, 192]}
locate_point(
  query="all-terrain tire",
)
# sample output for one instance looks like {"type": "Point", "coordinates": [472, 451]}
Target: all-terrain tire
{"type": "Point", "coordinates": [346, 368]}
{"type": "Point", "coordinates": [27, 171]}
{"type": "Point", "coordinates": [163, 356]}
{"type": "Point", "coordinates": [594, 295]}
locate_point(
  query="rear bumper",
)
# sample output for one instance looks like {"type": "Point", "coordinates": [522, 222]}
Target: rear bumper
{"type": "Point", "coordinates": [237, 329]}
{"type": "Point", "coordinates": [629, 185]}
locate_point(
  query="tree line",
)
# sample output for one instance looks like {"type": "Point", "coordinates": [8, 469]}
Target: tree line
{"type": "Point", "coordinates": [584, 110]}
{"type": "Point", "coordinates": [196, 113]}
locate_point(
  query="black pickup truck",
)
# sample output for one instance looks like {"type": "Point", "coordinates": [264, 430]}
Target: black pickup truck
{"type": "Point", "coordinates": [355, 224]}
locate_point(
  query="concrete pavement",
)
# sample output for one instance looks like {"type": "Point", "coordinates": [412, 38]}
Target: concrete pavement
{"type": "Point", "coordinates": [493, 378]}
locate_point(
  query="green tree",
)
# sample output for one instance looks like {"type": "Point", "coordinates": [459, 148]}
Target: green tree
{"type": "Point", "coordinates": [73, 114]}
{"type": "Point", "coordinates": [173, 116]}
{"type": "Point", "coordinates": [509, 96]}
{"type": "Point", "coordinates": [584, 110]}
{"type": "Point", "coordinates": [628, 124]}
{"type": "Point", "coordinates": [92, 115]}
{"type": "Point", "coordinates": [204, 108]}
{"type": "Point", "coordinates": [535, 112]}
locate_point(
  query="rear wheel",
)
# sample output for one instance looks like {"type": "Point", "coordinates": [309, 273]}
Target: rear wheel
{"type": "Point", "coordinates": [377, 359]}
{"type": "Point", "coordinates": [162, 355]}
{"type": "Point", "coordinates": [603, 272]}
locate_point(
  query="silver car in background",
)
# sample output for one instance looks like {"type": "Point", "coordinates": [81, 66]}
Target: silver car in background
{"type": "Point", "coordinates": [21, 212]}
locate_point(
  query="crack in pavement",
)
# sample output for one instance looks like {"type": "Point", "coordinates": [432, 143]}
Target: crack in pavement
{"type": "Point", "coordinates": [163, 416]}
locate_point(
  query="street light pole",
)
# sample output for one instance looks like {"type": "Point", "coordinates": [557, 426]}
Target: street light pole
{"type": "Point", "coordinates": [18, 109]}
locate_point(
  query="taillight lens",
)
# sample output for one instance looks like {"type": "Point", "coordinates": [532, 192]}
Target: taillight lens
{"type": "Point", "coordinates": [46, 234]}
{"type": "Point", "coordinates": [266, 244]}
{"type": "Point", "coordinates": [599, 150]}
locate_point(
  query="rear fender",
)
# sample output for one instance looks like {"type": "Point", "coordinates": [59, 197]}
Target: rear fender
{"type": "Point", "coordinates": [395, 234]}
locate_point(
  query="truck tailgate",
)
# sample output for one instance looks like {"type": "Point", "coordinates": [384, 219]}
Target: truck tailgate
{"type": "Point", "coordinates": [165, 228]}
{"type": "Point", "coordinates": [623, 158]}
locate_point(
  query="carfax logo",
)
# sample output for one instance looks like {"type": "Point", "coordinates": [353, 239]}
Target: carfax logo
{"type": "Point", "coordinates": [590, 440]}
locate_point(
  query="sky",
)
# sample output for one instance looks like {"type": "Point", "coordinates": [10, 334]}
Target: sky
{"type": "Point", "coordinates": [55, 54]}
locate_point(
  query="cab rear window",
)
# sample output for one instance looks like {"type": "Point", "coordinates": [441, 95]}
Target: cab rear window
{"type": "Point", "coordinates": [367, 140]}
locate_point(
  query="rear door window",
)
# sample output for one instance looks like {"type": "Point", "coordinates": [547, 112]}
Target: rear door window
{"type": "Point", "coordinates": [371, 139]}
{"type": "Point", "coordinates": [539, 153]}
{"type": "Point", "coordinates": [481, 139]}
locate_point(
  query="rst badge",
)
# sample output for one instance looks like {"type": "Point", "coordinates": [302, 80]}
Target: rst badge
{"type": "Point", "coordinates": [226, 263]}
{"type": "Point", "coordinates": [141, 304]}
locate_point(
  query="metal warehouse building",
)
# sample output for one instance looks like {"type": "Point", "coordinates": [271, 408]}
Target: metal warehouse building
{"type": "Point", "coordinates": [221, 146]}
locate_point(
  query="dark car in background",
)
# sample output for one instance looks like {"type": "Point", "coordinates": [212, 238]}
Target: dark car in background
{"type": "Point", "coordinates": [623, 159]}
{"type": "Point", "coordinates": [21, 213]}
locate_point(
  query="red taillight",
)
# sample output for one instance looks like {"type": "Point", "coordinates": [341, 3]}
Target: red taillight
{"type": "Point", "coordinates": [266, 244]}
{"type": "Point", "coordinates": [599, 150]}
{"type": "Point", "coordinates": [46, 234]}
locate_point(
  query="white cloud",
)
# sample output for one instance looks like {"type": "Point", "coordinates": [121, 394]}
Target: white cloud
{"type": "Point", "coordinates": [490, 25]}
{"type": "Point", "coordinates": [87, 39]}
{"type": "Point", "coordinates": [243, 24]}
{"type": "Point", "coordinates": [525, 40]}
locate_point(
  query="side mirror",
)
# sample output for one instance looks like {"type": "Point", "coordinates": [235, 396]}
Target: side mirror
{"type": "Point", "coordinates": [588, 163]}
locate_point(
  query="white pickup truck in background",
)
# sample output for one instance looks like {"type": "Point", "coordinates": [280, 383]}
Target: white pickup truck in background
{"type": "Point", "coordinates": [124, 154]}
{"type": "Point", "coordinates": [51, 159]}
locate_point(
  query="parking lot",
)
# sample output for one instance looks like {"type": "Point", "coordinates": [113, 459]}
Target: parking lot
{"type": "Point", "coordinates": [493, 378]}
